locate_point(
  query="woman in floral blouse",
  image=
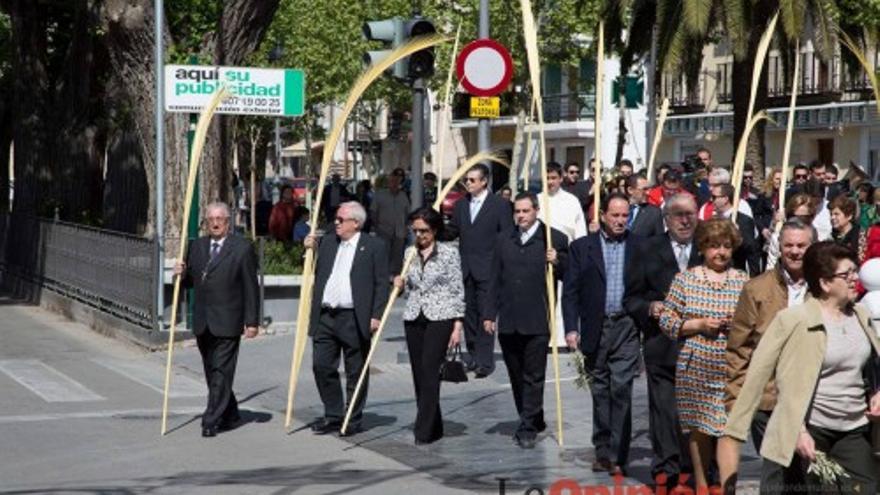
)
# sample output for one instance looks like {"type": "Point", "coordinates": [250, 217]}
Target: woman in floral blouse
{"type": "Point", "coordinates": [697, 312]}
{"type": "Point", "coordinates": [433, 316]}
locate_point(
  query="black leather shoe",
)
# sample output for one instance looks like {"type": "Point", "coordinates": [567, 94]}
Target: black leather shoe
{"type": "Point", "coordinates": [353, 429]}
{"type": "Point", "coordinates": [525, 442]}
{"type": "Point", "coordinates": [229, 425]}
{"type": "Point", "coordinates": [323, 427]}
{"type": "Point", "coordinates": [209, 431]}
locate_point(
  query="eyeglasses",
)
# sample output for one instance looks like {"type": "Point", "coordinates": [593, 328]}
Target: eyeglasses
{"type": "Point", "coordinates": [852, 272]}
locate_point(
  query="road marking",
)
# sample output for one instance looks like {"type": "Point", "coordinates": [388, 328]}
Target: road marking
{"type": "Point", "coordinates": [152, 376]}
{"type": "Point", "coordinates": [120, 413]}
{"type": "Point", "coordinates": [47, 382]}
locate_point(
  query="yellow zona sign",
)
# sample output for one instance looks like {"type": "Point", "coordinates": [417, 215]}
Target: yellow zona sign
{"type": "Point", "coordinates": [486, 107]}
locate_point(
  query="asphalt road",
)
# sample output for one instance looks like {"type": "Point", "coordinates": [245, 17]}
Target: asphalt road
{"type": "Point", "coordinates": [81, 414]}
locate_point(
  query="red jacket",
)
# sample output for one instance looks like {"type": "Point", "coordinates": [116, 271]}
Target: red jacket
{"type": "Point", "coordinates": [657, 197]}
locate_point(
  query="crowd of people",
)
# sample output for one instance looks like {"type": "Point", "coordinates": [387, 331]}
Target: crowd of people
{"type": "Point", "coordinates": [742, 311]}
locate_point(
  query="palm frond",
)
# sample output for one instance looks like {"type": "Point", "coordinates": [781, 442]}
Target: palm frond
{"type": "Point", "coordinates": [736, 21]}
{"type": "Point", "coordinates": [696, 15]}
{"type": "Point", "coordinates": [793, 14]}
{"type": "Point", "coordinates": [824, 16]}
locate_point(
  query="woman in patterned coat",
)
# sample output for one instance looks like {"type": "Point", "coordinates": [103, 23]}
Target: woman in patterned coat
{"type": "Point", "coordinates": [433, 316]}
{"type": "Point", "coordinates": [697, 313]}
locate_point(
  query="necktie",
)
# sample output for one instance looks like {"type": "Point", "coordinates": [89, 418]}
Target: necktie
{"type": "Point", "coordinates": [475, 208]}
{"type": "Point", "coordinates": [215, 249]}
{"type": "Point", "coordinates": [633, 210]}
{"type": "Point", "coordinates": [682, 257]}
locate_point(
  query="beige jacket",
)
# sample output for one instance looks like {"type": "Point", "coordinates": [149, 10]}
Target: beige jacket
{"type": "Point", "coordinates": [793, 347]}
{"type": "Point", "coordinates": [762, 298]}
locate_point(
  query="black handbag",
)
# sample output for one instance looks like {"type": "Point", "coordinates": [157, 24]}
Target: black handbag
{"type": "Point", "coordinates": [452, 369]}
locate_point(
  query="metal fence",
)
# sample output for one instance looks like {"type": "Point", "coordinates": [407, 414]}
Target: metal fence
{"type": "Point", "coordinates": [111, 271]}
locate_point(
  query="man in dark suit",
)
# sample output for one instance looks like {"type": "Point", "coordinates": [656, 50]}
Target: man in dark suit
{"type": "Point", "coordinates": [222, 268]}
{"type": "Point", "coordinates": [748, 255]}
{"type": "Point", "coordinates": [519, 301]}
{"type": "Point", "coordinates": [646, 285]}
{"type": "Point", "coordinates": [595, 321]}
{"type": "Point", "coordinates": [582, 189]}
{"type": "Point", "coordinates": [351, 290]}
{"type": "Point", "coordinates": [644, 220]}
{"type": "Point", "coordinates": [477, 219]}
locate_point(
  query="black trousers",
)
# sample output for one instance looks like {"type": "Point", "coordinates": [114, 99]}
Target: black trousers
{"type": "Point", "coordinates": [614, 367]}
{"type": "Point", "coordinates": [335, 336]}
{"type": "Point", "coordinates": [759, 427]}
{"type": "Point", "coordinates": [667, 441]}
{"type": "Point", "coordinates": [480, 345]}
{"type": "Point", "coordinates": [851, 449]}
{"type": "Point", "coordinates": [526, 359]}
{"type": "Point", "coordinates": [427, 342]}
{"type": "Point", "coordinates": [219, 357]}
{"type": "Point", "coordinates": [396, 245]}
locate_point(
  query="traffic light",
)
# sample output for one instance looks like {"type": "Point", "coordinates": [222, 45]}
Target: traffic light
{"type": "Point", "coordinates": [395, 32]}
{"type": "Point", "coordinates": [421, 63]}
{"type": "Point", "coordinates": [391, 32]}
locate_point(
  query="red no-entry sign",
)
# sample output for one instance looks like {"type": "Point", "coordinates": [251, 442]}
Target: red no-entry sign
{"type": "Point", "coordinates": [484, 67]}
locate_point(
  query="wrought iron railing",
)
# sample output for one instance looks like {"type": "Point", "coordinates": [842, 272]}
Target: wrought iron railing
{"type": "Point", "coordinates": [111, 271]}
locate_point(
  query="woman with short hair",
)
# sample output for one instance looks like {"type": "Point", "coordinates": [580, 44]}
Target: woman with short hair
{"type": "Point", "coordinates": [697, 312]}
{"type": "Point", "coordinates": [823, 356]}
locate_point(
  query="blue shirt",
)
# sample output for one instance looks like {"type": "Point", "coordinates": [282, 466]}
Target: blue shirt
{"type": "Point", "coordinates": [612, 253]}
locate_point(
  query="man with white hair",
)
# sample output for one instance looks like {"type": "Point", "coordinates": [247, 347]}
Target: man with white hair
{"type": "Point", "coordinates": [351, 289]}
{"type": "Point", "coordinates": [222, 268]}
{"type": "Point", "coordinates": [717, 177]}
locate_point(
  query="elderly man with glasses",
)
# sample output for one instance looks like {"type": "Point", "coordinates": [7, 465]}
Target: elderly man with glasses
{"type": "Point", "coordinates": [222, 268]}
{"type": "Point", "coordinates": [351, 290]}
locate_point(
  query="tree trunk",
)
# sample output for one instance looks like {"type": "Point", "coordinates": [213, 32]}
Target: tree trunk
{"type": "Point", "coordinates": [130, 43]}
{"type": "Point", "coordinates": [761, 13]}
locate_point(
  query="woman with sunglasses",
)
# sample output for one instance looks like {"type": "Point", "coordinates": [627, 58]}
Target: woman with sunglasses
{"type": "Point", "coordinates": [823, 355]}
{"type": "Point", "coordinates": [433, 316]}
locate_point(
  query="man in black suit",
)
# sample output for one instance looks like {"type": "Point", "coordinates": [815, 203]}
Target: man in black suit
{"type": "Point", "coordinates": [646, 285]}
{"type": "Point", "coordinates": [351, 290]}
{"type": "Point", "coordinates": [595, 321]}
{"type": "Point", "coordinates": [748, 255]}
{"type": "Point", "coordinates": [644, 220]}
{"type": "Point", "coordinates": [477, 219]}
{"type": "Point", "coordinates": [580, 188]}
{"type": "Point", "coordinates": [519, 301]}
{"type": "Point", "coordinates": [222, 268]}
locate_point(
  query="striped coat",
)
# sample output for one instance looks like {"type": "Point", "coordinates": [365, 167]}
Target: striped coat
{"type": "Point", "coordinates": [701, 370]}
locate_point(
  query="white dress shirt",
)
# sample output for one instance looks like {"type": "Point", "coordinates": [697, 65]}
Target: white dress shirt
{"type": "Point", "coordinates": [477, 203]}
{"type": "Point", "coordinates": [566, 214]}
{"type": "Point", "coordinates": [678, 247]}
{"type": "Point", "coordinates": [337, 292]}
{"type": "Point", "coordinates": [796, 290]}
{"type": "Point", "coordinates": [525, 236]}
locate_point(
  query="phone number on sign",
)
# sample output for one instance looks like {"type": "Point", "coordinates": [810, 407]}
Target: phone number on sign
{"type": "Point", "coordinates": [251, 101]}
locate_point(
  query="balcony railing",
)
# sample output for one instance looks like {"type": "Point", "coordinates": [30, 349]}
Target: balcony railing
{"type": "Point", "coordinates": [569, 107]}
